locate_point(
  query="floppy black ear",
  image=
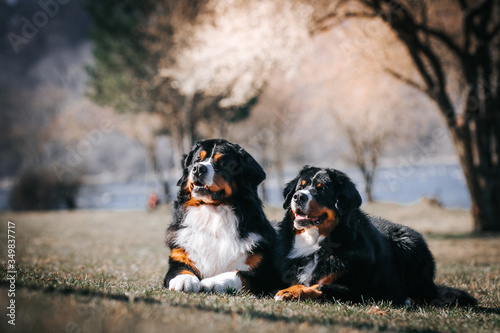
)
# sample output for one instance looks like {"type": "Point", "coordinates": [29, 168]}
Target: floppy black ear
{"type": "Point", "coordinates": [348, 197]}
{"type": "Point", "coordinates": [289, 189]}
{"type": "Point", "coordinates": [252, 172]}
{"type": "Point", "coordinates": [186, 161]}
{"type": "Point", "coordinates": [288, 192]}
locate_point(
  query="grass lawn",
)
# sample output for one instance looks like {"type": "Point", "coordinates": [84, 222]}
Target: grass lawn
{"type": "Point", "coordinates": [92, 271]}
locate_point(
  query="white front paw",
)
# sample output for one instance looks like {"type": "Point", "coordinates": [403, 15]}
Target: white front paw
{"type": "Point", "coordinates": [222, 282]}
{"type": "Point", "coordinates": [185, 282]}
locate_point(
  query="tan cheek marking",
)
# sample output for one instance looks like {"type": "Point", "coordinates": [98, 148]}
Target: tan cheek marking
{"type": "Point", "coordinates": [253, 260]}
{"type": "Point", "coordinates": [328, 225]}
{"type": "Point", "coordinates": [192, 203]}
{"type": "Point", "coordinates": [330, 222]}
{"type": "Point", "coordinates": [221, 184]}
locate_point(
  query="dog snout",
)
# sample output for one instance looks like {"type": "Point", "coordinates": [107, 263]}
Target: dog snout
{"type": "Point", "coordinates": [199, 170]}
{"type": "Point", "coordinates": [300, 197]}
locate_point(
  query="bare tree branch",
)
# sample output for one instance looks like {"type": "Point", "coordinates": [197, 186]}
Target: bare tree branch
{"type": "Point", "coordinates": [332, 20]}
{"type": "Point", "coordinates": [406, 80]}
{"type": "Point", "coordinates": [443, 37]}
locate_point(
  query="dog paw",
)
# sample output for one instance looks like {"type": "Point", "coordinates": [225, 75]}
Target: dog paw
{"type": "Point", "coordinates": [298, 292]}
{"type": "Point", "coordinates": [186, 283]}
{"type": "Point", "coordinates": [284, 295]}
{"type": "Point", "coordinates": [222, 282]}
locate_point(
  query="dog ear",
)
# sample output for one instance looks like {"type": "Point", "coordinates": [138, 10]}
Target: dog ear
{"type": "Point", "coordinates": [251, 170]}
{"type": "Point", "coordinates": [288, 192]}
{"type": "Point", "coordinates": [348, 197]}
{"type": "Point", "coordinates": [186, 162]}
{"type": "Point", "coordinates": [289, 189]}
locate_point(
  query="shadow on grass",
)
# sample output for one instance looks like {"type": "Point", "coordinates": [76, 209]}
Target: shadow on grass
{"type": "Point", "coordinates": [252, 313]}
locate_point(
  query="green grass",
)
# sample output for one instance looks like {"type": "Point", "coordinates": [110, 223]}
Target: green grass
{"type": "Point", "coordinates": [102, 271]}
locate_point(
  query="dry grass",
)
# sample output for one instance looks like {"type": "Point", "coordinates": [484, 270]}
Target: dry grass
{"type": "Point", "coordinates": [101, 271]}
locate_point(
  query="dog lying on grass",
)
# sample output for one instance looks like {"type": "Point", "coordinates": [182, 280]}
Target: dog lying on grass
{"type": "Point", "coordinates": [328, 249]}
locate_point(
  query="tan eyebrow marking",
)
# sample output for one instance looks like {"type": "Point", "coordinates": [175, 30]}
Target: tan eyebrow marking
{"type": "Point", "coordinates": [319, 185]}
{"type": "Point", "coordinates": [217, 156]}
{"type": "Point", "coordinates": [303, 182]}
{"type": "Point", "coordinates": [203, 154]}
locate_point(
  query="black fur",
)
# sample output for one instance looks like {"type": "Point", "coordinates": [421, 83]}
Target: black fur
{"type": "Point", "coordinates": [375, 259]}
{"type": "Point", "coordinates": [240, 168]}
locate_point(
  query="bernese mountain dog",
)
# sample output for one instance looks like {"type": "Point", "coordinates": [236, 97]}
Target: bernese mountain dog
{"type": "Point", "coordinates": [219, 238]}
{"type": "Point", "coordinates": [328, 248]}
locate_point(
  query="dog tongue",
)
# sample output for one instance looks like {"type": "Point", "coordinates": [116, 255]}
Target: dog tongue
{"type": "Point", "coordinates": [301, 217]}
{"type": "Point", "coordinates": [305, 217]}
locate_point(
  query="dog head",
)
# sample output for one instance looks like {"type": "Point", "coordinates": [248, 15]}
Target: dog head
{"type": "Point", "coordinates": [215, 170]}
{"type": "Point", "coordinates": [318, 196]}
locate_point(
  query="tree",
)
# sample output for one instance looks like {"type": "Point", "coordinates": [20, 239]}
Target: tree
{"type": "Point", "coordinates": [194, 63]}
{"type": "Point", "coordinates": [231, 54]}
{"type": "Point", "coordinates": [447, 42]}
{"type": "Point", "coordinates": [366, 145]}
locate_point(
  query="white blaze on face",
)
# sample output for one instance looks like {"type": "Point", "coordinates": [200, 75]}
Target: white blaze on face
{"type": "Point", "coordinates": [209, 177]}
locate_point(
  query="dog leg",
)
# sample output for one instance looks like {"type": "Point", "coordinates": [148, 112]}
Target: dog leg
{"type": "Point", "coordinates": [298, 292]}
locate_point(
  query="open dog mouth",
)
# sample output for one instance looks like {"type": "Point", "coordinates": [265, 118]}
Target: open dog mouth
{"type": "Point", "coordinates": [301, 218]}
{"type": "Point", "coordinates": [201, 189]}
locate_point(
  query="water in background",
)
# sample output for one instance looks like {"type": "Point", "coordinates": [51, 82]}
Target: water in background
{"type": "Point", "coordinates": [443, 182]}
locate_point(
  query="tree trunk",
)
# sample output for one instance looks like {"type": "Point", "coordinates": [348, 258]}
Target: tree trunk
{"type": "Point", "coordinates": [278, 158]}
{"type": "Point", "coordinates": [153, 156]}
{"type": "Point", "coordinates": [481, 168]}
{"type": "Point", "coordinates": [368, 185]}
{"type": "Point", "coordinates": [188, 125]}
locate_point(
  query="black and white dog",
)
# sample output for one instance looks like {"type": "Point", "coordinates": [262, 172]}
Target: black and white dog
{"type": "Point", "coordinates": [220, 238]}
{"type": "Point", "coordinates": [329, 249]}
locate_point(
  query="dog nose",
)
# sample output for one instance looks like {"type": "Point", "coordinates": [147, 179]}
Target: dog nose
{"type": "Point", "coordinates": [300, 197]}
{"type": "Point", "coordinates": [199, 169]}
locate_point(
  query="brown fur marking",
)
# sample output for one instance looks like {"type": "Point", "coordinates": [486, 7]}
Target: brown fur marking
{"type": "Point", "coordinates": [217, 156]}
{"type": "Point", "coordinates": [298, 231]}
{"type": "Point", "coordinates": [185, 271]}
{"type": "Point", "coordinates": [330, 278]}
{"type": "Point", "coordinates": [180, 255]}
{"type": "Point", "coordinates": [299, 292]}
{"type": "Point", "coordinates": [326, 227]}
{"type": "Point", "coordinates": [203, 154]}
{"type": "Point", "coordinates": [253, 260]}
{"type": "Point", "coordinates": [221, 184]}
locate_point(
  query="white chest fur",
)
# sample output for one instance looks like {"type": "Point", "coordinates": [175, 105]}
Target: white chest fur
{"type": "Point", "coordinates": [306, 243]}
{"type": "Point", "coordinates": [210, 237]}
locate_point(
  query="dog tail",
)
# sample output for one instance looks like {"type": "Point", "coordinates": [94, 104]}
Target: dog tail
{"type": "Point", "coordinates": [448, 296]}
